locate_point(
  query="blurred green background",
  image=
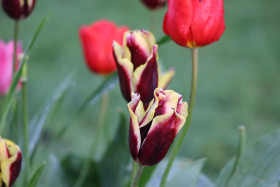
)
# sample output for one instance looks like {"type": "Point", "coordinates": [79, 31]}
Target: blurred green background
{"type": "Point", "coordinates": [239, 76]}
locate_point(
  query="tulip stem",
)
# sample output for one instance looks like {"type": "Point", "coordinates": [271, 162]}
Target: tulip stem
{"type": "Point", "coordinates": [240, 149]}
{"type": "Point", "coordinates": [134, 170]}
{"type": "Point", "coordinates": [25, 121]}
{"type": "Point", "coordinates": [86, 165]}
{"type": "Point", "coordinates": [179, 142]}
{"type": "Point", "coordinates": [154, 16]}
{"type": "Point", "coordinates": [138, 174]}
{"type": "Point", "coordinates": [16, 28]}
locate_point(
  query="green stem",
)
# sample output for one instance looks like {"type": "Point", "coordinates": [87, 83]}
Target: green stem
{"type": "Point", "coordinates": [86, 164]}
{"type": "Point", "coordinates": [25, 121]}
{"type": "Point", "coordinates": [15, 45]}
{"type": "Point", "coordinates": [136, 179]}
{"type": "Point", "coordinates": [240, 149]}
{"type": "Point", "coordinates": [134, 170]}
{"type": "Point", "coordinates": [153, 26]}
{"type": "Point", "coordinates": [179, 142]}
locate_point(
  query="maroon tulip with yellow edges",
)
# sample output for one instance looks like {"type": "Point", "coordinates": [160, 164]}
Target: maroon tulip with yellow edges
{"type": "Point", "coordinates": [154, 4]}
{"type": "Point", "coordinates": [18, 9]}
{"type": "Point", "coordinates": [137, 64]}
{"type": "Point", "coordinates": [152, 131]}
{"type": "Point", "coordinates": [96, 40]}
{"type": "Point", "coordinates": [10, 162]}
{"type": "Point", "coordinates": [194, 23]}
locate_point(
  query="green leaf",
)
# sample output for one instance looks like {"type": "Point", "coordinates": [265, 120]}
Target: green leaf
{"type": "Point", "coordinates": [183, 173]}
{"type": "Point", "coordinates": [258, 167]}
{"type": "Point", "coordinates": [107, 85]}
{"type": "Point", "coordinates": [39, 120]}
{"type": "Point", "coordinates": [37, 175]}
{"type": "Point", "coordinates": [8, 100]}
{"type": "Point", "coordinates": [116, 158]}
{"type": "Point", "coordinates": [163, 40]}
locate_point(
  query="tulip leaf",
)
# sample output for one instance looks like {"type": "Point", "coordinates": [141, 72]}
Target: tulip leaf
{"type": "Point", "coordinates": [38, 121]}
{"type": "Point", "coordinates": [8, 100]}
{"type": "Point", "coordinates": [183, 173]}
{"type": "Point", "coordinates": [37, 175]}
{"type": "Point", "coordinates": [116, 158]}
{"type": "Point", "coordinates": [163, 40]}
{"type": "Point", "coordinates": [258, 166]}
{"type": "Point", "coordinates": [107, 85]}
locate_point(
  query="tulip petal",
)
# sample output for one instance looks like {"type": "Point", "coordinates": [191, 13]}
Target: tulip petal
{"type": "Point", "coordinates": [145, 77]}
{"type": "Point", "coordinates": [165, 78]}
{"type": "Point", "coordinates": [134, 130]}
{"type": "Point", "coordinates": [125, 71]}
{"type": "Point", "coordinates": [162, 132]}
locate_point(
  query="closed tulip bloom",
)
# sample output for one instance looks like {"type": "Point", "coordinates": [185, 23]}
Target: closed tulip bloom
{"type": "Point", "coordinates": [154, 4]}
{"type": "Point", "coordinates": [194, 23]}
{"type": "Point", "coordinates": [152, 131]}
{"type": "Point", "coordinates": [10, 162]}
{"type": "Point", "coordinates": [137, 63]}
{"type": "Point", "coordinates": [96, 41]}
{"type": "Point", "coordinates": [6, 65]}
{"type": "Point", "coordinates": [18, 9]}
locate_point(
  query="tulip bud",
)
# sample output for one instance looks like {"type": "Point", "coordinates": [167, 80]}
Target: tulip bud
{"type": "Point", "coordinates": [151, 132]}
{"type": "Point", "coordinates": [6, 65]}
{"type": "Point", "coordinates": [96, 41]}
{"type": "Point", "coordinates": [154, 4]}
{"type": "Point", "coordinates": [18, 9]}
{"type": "Point", "coordinates": [10, 162]}
{"type": "Point", "coordinates": [137, 64]}
{"type": "Point", "coordinates": [194, 23]}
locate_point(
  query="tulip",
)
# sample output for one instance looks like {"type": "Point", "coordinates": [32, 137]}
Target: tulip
{"type": "Point", "coordinates": [10, 162]}
{"type": "Point", "coordinates": [137, 63]}
{"type": "Point", "coordinates": [6, 65]}
{"type": "Point", "coordinates": [151, 132]}
{"type": "Point", "coordinates": [96, 41]}
{"type": "Point", "coordinates": [18, 9]}
{"type": "Point", "coordinates": [194, 23]}
{"type": "Point", "coordinates": [154, 4]}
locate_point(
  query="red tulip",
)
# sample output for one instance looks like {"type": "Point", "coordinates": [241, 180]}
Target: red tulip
{"type": "Point", "coordinates": [154, 4]}
{"type": "Point", "coordinates": [18, 9]}
{"type": "Point", "coordinates": [96, 41]}
{"type": "Point", "coordinates": [152, 131]}
{"type": "Point", "coordinates": [194, 23]}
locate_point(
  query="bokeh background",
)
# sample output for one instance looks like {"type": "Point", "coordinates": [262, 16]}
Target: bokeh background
{"type": "Point", "coordinates": [239, 76]}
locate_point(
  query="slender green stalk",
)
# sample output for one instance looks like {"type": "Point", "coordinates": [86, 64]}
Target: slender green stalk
{"type": "Point", "coordinates": [134, 170]}
{"type": "Point", "coordinates": [181, 137]}
{"type": "Point", "coordinates": [15, 45]}
{"type": "Point", "coordinates": [241, 145]}
{"type": "Point", "coordinates": [25, 122]}
{"type": "Point", "coordinates": [86, 164]}
{"type": "Point", "coordinates": [137, 176]}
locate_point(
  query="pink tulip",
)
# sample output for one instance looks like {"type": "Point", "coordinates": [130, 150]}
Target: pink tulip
{"type": "Point", "coordinates": [6, 64]}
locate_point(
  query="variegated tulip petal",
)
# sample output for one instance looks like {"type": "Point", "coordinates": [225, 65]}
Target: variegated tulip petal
{"type": "Point", "coordinates": [159, 138]}
{"type": "Point", "coordinates": [134, 130]}
{"type": "Point", "coordinates": [10, 167]}
{"type": "Point", "coordinates": [4, 152]}
{"type": "Point", "coordinates": [165, 78]}
{"type": "Point", "coordinates": [182, 109]}
{"type": "Point", "coordinates": [145, 77]}
{"type": "Point", "coordinates": [168, 101]}
{"type": "Point", "coordinates": [125, 70]}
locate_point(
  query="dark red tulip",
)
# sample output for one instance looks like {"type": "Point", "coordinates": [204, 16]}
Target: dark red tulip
{"type": "Point", "coordinates": [137, 63]}
{"type": "Point", "coordinates": [154, 4]}
{"type": "Point", "coordinates": [18, 9]}
{"type": "Point", "coordinates": [10, 162]}
{"type": "Point", "coordinates": [152, 131]}
{"type": "Point", "coordinates": [96, 41]}
{"type": "Point", "coordinates": [194, 23]}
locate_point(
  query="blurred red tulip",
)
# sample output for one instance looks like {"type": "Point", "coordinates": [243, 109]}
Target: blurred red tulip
{"type": "Point", "coordinates": [154, 4]}
{"type": "Point", "coordinates": [18, 9]}
{"type": "Point", "coordinates": [6, 65]}
{"type": "Point", "coordinates": [194, 23]}
{"type": "Point", "coordinates": [96, 41]}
